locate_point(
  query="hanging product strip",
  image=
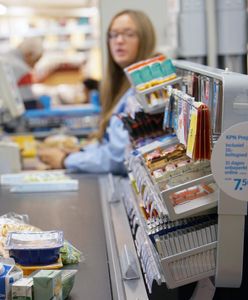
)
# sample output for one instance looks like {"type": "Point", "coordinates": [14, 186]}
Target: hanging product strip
{"type": "Point", "coordinates": [207, 90]}
{"type": "Point", "coordinates": [191, 121]}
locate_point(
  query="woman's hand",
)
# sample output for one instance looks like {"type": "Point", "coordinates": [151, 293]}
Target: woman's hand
{"type": "Point", "coordinates": [53, 157]}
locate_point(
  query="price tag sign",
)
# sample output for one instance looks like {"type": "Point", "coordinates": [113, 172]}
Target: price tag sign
{"type": "Point", "coordinates": [229, 161]}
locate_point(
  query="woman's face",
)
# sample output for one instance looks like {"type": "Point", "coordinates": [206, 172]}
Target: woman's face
{"type": "Point", "coordinates": [123, 41]}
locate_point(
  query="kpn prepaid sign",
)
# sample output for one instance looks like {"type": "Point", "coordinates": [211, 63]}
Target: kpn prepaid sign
{"type": "Point", "coordinates": [229, 161]}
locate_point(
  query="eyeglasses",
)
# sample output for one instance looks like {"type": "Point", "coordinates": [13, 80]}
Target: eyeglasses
{"type": "Point", "coordinates": [126, 35]}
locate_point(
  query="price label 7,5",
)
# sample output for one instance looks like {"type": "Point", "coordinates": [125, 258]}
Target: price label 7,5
{"type": "Point", "coordinates": [240, 183]}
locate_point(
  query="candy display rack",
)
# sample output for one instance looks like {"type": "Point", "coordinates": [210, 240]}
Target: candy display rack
{"type": "Point", "coordinates": [221, 254]}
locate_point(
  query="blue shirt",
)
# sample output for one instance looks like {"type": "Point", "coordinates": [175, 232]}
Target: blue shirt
{"type": "Point", "coordinates": [107, 156]}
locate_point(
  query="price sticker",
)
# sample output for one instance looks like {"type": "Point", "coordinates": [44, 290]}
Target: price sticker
{"type": "Point", "coordinates": [229, 161]}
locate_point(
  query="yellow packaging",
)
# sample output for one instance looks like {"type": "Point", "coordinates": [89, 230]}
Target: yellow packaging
{"type": "Point", "coordinates": [27, 145]}
{"type": "Point", "coordinates": [192, 133]}
{"type": "Point", "coordinates": [27, 270]}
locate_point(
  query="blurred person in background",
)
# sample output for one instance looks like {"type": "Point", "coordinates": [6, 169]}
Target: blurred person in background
{"type": "Point", "coordinates": [90, 85]}
{"type": "Point", "coordinates": [22, 60]}
{"type": "Point", "coordinates": [130, 38]}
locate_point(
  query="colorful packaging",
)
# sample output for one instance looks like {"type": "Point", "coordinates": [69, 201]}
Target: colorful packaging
{"type": "Point", "coordinates": [168, 68]}
{"type": "Point", "coordinates": [22, 289]}
{"type": "Point", "coordinates": [27, 145]}
{"type": "Point", "coordinates": [150, 72]}
{"type": "Point", "coordinates": [48, 285]}
{"type": "Point", "coordinates": [9, 273]}
{"type": "Point", "coordinates": [136, 77]}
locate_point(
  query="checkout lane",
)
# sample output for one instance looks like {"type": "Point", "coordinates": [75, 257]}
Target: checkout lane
{"type": "Point", "coordinates": [79, 215]}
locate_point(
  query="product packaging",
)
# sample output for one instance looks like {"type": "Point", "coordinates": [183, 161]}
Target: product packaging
{"type": "Point", "coordinates": [23, 289]}
{"type": "Point", "coordinates": [9, 273]}
{"type": "Point", "coordinates": [48, 285]}
{"type": "Point", "coordinates": [35, 248]}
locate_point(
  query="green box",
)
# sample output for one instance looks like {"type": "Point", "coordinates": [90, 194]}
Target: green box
{"type": "Point", "coordinates": [168, 67]}
{"type": "Point", "coordinates": [136, 78]}
{"type": "Point", "coordinates": [146, 74]}
{"type": "Point", "coordinates": [156, 70]}
{"type": "Point", "coordinates": [22, 289]}
{"type": "Point", "coordinates": [48, 285]}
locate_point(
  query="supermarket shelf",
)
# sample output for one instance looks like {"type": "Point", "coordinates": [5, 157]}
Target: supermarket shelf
{"type": "Point", "coordinates": [154, 109]}
{"type": "Point", "coordinates": [231, 214]}
{"type": "Point", "coordinates": [159, 107]}
{"type": "Point", "coordinates": [147, 185]}
{"type": "Point", "coordinates": [177, 269]}
{"type": "Point", "coordinates": [159, 86]}
{"type": "Point", "coordinates": [66, 110]}
{"type": "Point", "coordinates": [58, 31]}
{"type": "Point", "coordinates": [41, 134]}
{"type": "Point", "coordinates": [192, 207]}
{"type": "Point", "coordinates": [142, 241]}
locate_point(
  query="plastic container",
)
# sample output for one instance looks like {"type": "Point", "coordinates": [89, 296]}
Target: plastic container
{"type": "Point", "coordinates": [35, 248]}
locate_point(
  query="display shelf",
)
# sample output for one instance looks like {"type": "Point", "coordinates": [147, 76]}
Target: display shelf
{"type": "Point", "coordinates": [51, 30]}
{"type": "Point", "coordinates": [72, 110]}
{"type": "Point", "coordinates": [191, 207]}
{"type": "Point", "coordinates": [178, 269]}
{"type": "Point", "coordinates": [190, 266]}
{"type": "Point", "coordinates": [158, 107]}
{"type": "Point", "coordinates": [144, 180]}
{"type": "Point", "coordinates": [231, 214]}
{"type": "Point", "coordinates": [57, 32]}
{"type": "Point", "coordinates": [159, 86]}
{"type": "Point", "coordinates": [61, 31]}
{"type": "Point", "coordinates": [225, 255]}
{"type": "Point", "coordinates": [145, 248]}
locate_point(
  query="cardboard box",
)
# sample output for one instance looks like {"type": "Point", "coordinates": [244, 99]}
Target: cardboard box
{"type": "Point", "coordinates": [48, 285]}
{"type": "Point", "coordinates": [23, 289]}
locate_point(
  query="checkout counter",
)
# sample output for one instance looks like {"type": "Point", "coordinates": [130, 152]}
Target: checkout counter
{"type": "Point", "coordinates": [79, 215]}
{"type": "Point", "coordinates": [94, 220]}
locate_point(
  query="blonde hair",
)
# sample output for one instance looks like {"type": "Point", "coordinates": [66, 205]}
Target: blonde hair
{"type": "Point", "coordinates": [115, 83]}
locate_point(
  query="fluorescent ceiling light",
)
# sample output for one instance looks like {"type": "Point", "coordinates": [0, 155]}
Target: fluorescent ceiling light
{"type": "Point", "coordinates": [3, 9]}
{"type": "Point", "coordinates": [89, 11]}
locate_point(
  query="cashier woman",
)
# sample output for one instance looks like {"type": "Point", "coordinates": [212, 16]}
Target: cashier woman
{"type": "Point", "coordinates": [130, 38]}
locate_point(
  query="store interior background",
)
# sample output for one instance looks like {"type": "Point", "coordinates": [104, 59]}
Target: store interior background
{"type": "Point", "coordinates": [73, 33]}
